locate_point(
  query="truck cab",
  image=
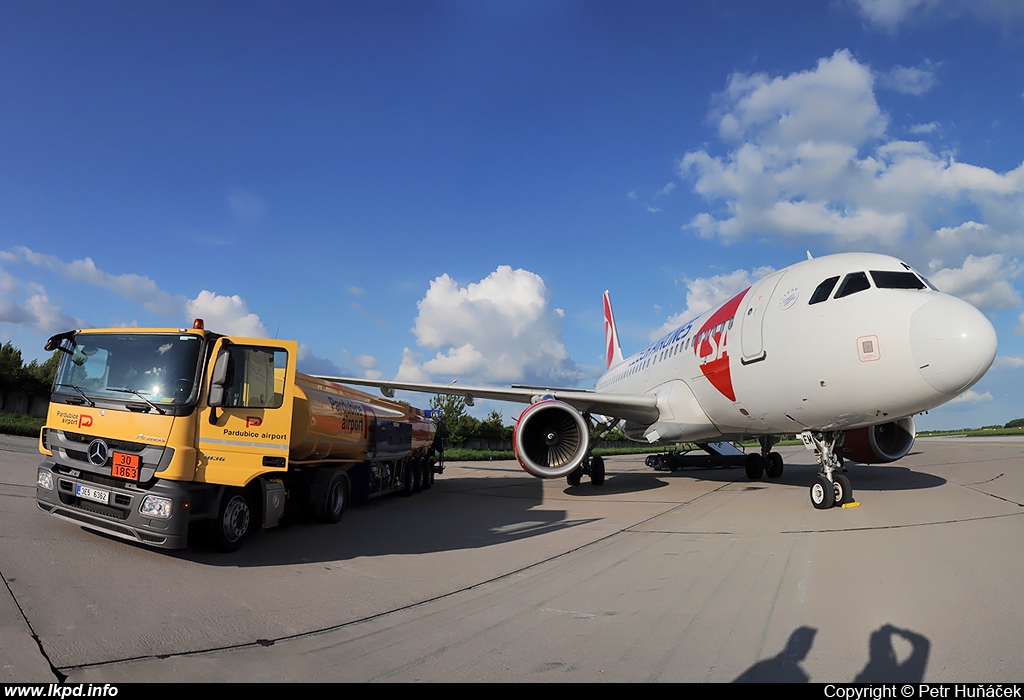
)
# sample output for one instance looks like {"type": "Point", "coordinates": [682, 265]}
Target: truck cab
{"type": "Point", "coordinates": [148, 427]}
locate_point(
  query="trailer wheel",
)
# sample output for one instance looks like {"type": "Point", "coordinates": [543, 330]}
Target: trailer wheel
{"type": "Point", "coordinates": [408, 474]}
{"type": "Point", "coordinates": [233, 521]}
{"type": "Point", "coordinates": [428, 473]}
{"type": "Point", "coordinates": [337, 498]}
{"type": "Point", "coordinates": [419, 474]}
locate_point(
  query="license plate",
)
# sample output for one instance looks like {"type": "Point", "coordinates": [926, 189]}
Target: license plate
{"type": "Point", "coordinates": [125, 466]}
{"type": "Point", "coordinates": [91, 494]}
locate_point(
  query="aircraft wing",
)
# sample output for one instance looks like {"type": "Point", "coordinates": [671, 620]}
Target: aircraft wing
{"type": "Point", "coordinates": [642, 408]}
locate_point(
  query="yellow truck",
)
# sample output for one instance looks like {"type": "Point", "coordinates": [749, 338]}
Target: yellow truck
{"type": "Point", "coordinates": [153, 431]}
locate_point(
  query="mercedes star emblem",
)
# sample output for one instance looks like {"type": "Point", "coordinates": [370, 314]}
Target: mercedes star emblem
{"type": "Point", "coordinates": [97, 453]}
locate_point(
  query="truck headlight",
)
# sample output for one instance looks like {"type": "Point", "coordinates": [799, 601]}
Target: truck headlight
{"type": "Point", "coordinates": [156, 507]}
{"type": "Point", "coordinates": [44, 479]}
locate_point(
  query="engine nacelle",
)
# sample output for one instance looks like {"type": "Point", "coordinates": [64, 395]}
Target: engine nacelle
{"type": "Point", "coordinates": [879, 444]}
{"type": "Point", "coordinates": [551, 439]}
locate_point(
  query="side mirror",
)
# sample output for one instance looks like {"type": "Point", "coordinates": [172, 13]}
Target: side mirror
{"type": "Point", "coordinates": [56, 342]}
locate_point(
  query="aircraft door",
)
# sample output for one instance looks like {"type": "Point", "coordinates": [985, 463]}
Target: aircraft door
{"type": "Point", "coordinates": [752, 318]}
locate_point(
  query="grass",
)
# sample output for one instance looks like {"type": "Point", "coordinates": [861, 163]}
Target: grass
{"type": "Point", "coordinates": [20, 424]}
{"type": "Point", "coordinates": [972, 432]}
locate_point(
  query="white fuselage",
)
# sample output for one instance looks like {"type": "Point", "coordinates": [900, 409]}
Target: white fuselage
{"type": "Point", "coordinates": [871, 349]}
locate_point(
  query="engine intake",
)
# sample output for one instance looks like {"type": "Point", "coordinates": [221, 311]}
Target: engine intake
{"type": "Point", "coordinates": [879, 444]}
{"type": "Point", "coordinates": [551, 439]}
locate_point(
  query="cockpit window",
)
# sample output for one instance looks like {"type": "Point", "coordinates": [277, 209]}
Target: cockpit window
{"type": "Point", "coordinates": [854, 282]}
{"type": "Point", "coordinates": [824, 290]}
{"type": "Point", "coordinates": [885, 279]}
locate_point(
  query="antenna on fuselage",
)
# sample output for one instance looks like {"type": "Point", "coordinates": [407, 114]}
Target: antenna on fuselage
{"type": "Point", "coordinates": [809, 256]}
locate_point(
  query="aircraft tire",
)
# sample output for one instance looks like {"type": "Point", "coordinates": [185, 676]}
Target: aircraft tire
{"type": "Point", "coordinates": [754, 466]}
{"type": "Point", "coordinates": [843, 489]}
{"type": "Point", "coordinates": [775, 465]}
{"type": "Point", "coordinates": [575, 477]}
{"type": "Point", "coordinates": [597, 471]}
{"type": "Point", "coordinates": [823, 493]}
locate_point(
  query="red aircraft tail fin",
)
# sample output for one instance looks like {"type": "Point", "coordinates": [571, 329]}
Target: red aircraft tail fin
{"type": "Point", "coordinates": [613, 351]}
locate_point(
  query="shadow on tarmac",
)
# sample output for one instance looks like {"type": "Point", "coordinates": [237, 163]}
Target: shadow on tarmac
{"type": "Point", "coordinates": [472, 512]}
{"type": "Point", "coordinates": [883, 666]}
{"type": "Point", "coordinates": [865, 477]}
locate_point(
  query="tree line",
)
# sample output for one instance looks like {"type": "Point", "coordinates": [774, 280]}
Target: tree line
{"type": "Point", "coordinates": [460, 427]}
{"type": "Point", "coordinates": [35, 378]}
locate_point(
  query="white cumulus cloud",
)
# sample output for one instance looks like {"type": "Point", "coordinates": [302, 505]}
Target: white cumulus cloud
{"type": "Point", "coordinates": [500, 329]}
{"type": "Point", "coordinates": [229, 315]}
{"type": "Point", "coordinates": [910, 80]}
{"type": "Point", "coordinates": [27, 304]}
{"type": "Point", "coordinates": [890, 14]}
{"type": "Point", "coordinates": [810, 158]}
{"type": "Point", "coordinates": [129, 285]}
{"type": "Point", "coordinates": [971, 396]}
{"type": "Point", "coordinates": [982, 281]}
{"type": "Point", "coordinates": [703, 293]}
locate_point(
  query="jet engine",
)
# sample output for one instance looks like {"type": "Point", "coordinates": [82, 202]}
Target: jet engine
{"type": "Point", "coordinates": [551, 439]}
{"type": "Point", "coordinates": [879, 444]}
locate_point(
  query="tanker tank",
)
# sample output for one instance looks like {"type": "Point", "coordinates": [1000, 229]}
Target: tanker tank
{"type": "Point", "coordinates": [334, 423]}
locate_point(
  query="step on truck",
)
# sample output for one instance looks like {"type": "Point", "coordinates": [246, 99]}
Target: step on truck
{"type": "Point", "coordinates": [153, 432]}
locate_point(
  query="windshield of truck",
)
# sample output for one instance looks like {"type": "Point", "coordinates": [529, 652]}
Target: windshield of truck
{"type": "Point", "coordinates": [157, 368]}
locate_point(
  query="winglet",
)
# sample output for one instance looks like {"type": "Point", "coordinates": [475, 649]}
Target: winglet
{"type": "Point", "coordinates": [613, 351]}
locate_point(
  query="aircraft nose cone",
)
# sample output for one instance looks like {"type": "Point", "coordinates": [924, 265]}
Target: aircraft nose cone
{"type": "Point", "coordinates": [953, 344]}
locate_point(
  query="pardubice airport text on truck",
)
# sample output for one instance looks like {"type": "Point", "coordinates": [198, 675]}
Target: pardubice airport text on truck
{"type": "Point", "coordinates": [151, 431]}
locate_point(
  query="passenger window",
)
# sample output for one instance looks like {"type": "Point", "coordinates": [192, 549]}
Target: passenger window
{"type": "Point", "coordinates": [824, 290]}
{"type": "Point", "coordinates": [854, 282]}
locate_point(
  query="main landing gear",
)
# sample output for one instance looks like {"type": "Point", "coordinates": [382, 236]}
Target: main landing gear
{"type": "Point", "coordinates": [592, 466]}
{"type": "Point", "coordinates": [830, 487]}
{"type": "Point", "coordinates": [767, 462]}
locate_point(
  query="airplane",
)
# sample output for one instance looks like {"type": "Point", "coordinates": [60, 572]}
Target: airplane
{"type": "Point", "coordinates": [841, 349]}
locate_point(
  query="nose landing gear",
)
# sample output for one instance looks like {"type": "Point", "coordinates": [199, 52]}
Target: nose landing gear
{"type": "Point", "coordinates": [829, 488]}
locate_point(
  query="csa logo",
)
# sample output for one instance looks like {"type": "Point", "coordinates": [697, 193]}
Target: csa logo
{"type": "Point", "coordinates": [710, 347]}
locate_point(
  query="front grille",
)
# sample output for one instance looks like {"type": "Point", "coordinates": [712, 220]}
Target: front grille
{"type": "Point", "coordinates": [76, 455]}
{"type": "Point", "coordinates": [66, 492]}
{"type": "Point", "coordinates": [97, 508]}
{"type": "Point", "coordinates": [112, 444]}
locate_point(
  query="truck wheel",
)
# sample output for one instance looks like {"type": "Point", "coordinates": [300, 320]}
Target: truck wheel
{"type": "Point", "coordinates": [428, 473]}
{"type": "Point", "coordinates": [419, 474]}
{"type": "Point", "coordinates": [408, 475]}
{"type": "Point", "coordinates": [233, 521]}
{"type": "Point", "coordinates": [337, 499]}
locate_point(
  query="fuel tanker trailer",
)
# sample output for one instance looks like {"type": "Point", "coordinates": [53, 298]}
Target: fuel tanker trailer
{"type": "Point", "coordinates": [151, 431]}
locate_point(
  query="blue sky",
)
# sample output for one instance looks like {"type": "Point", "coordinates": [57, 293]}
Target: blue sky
{"type": "Point", "coordinates": [439, 190]}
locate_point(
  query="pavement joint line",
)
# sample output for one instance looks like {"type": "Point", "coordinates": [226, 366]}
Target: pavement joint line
{"type": "Point", "coordinates": [61, 677]}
